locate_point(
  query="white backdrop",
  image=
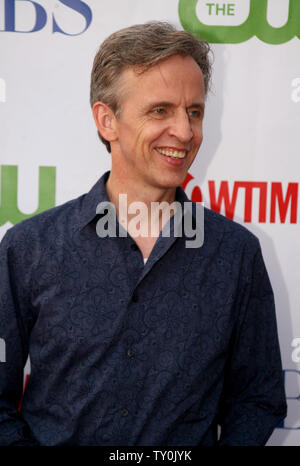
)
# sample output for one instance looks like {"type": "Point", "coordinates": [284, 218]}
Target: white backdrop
{"type": "Point", "coordinates": [247, 167]}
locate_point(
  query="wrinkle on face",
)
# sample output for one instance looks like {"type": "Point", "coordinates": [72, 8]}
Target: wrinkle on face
{"type": "Point", "coordinates": [176, 85]}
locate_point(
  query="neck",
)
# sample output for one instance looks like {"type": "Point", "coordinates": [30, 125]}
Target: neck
{"type": "Point", "coordinates": [137, 192]}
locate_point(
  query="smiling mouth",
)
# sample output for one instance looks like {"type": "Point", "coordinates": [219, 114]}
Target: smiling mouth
{"type": "Point", "coordinates": [174, 153]}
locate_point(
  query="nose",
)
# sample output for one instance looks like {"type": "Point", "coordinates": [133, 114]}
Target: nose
{"type": "Point", "coordinates": [180, 127]}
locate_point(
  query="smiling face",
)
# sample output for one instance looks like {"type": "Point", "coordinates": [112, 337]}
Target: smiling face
{"type": "Point", "coordinates": [159, 130]}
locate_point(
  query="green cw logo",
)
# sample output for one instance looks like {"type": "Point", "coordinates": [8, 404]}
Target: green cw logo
{"type": "Point", "coordinates": [9, 211]}
{"type": "Point", "coordinates": [256, 24]}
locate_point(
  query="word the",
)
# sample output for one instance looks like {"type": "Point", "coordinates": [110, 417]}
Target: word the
{"type": "Point", "coordinates": [173, 456]}
{"type": "Point", "coordinates": [9, 211]}
{"type": "Point", "coordinates": [2, 350]}
{"type": "Point", "coordinates": [225, 8]}
{"type": "Point", "coordinates": [159, 215]}
{"type": "Point", "coordinates": [255, 24]}
{"type": "Point", "coordinates": [279, 202]}
{"type": "Point", "coordinates": [296, 91]}
{"type": "Point", "coordinates": [41, 15]}
{"type": "Point", "coordinates": [296, 352]}
{"type": "Point", "coordinates": [2, 90]}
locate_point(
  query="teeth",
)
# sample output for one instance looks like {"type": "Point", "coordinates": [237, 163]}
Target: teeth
{"type": "Point", "coordinates": [175, 154]}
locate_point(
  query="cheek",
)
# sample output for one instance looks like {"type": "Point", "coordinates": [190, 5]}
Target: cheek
{"type": "Point", "coordinates": [198, 135]}
{"type": "Point", "coordinates": [128, 136]}
{"type": "Point", "coordinates": [141, 132]}
{"type": "Point", "coordinates": [154, 132]}
{"type": "Point", "coordinates": [200, 138]}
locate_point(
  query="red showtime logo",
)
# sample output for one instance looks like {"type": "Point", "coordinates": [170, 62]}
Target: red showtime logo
{"type": "Point", "coordinates": [277, 201]}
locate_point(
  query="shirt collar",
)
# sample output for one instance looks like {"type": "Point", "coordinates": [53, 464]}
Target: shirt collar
{"type": "Point", "coordinates": [98, 194]}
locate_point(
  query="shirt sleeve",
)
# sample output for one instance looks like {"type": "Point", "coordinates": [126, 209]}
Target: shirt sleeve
{"type": "Point", "coordinates": [14, 332]}
{"type": "Point", "coordinates": [253, 401]}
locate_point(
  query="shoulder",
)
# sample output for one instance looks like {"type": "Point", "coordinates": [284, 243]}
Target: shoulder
{"type": "Point", "coordinates": [228, 236]}
{"type": "Point", "coordinates": [220, 223]}
{"type": "Point", "coordinates": [45, 227]}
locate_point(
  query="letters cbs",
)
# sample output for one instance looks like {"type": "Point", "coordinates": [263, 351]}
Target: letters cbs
{"type": "Point", "coordinates": [11, 8]}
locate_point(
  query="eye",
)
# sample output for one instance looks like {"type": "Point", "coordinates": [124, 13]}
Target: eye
{"type": "Point", "coordinates": [159, 111]}
{"type": "Point", "coordinates": [195, 113]}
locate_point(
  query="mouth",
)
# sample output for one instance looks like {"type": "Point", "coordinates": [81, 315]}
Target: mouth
{"type": "Point", "coordinates": [172, 152]}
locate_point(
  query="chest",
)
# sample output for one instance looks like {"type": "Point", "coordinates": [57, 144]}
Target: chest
{"type": "Point", "coordinates": [145, 245]}
{"type": "Point", "coordinates": [183, 311]}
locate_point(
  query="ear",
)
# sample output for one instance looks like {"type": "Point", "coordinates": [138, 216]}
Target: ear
{"type": "Point", "coordinates": [104, 118]}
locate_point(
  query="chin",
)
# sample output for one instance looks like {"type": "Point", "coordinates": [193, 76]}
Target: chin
{"type": "Point", "coordinates": [172, 181]}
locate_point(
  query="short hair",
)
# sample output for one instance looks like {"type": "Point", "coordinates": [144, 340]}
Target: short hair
{"type": "Point", "coordinates": [141, 46]}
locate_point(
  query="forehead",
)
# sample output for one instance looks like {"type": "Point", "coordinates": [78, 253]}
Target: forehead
{"type": "Point", "coordinates": [176, 76]}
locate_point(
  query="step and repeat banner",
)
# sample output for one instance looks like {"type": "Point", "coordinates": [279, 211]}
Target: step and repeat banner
{"type": "Point", "coordinates": [248, 167]}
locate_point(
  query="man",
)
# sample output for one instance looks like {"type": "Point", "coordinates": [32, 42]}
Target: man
{"type": "Point", "coordinates": [124, 353]}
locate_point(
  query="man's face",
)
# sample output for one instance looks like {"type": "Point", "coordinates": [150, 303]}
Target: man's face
{"type": "Point", "coordinates": [159, 129]}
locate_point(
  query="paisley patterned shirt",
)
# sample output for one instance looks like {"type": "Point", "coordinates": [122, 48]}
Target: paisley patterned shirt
{"type": "Point", "coordinates": [124, 353]}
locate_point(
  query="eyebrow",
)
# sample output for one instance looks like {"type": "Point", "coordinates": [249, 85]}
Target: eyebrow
{"type": "Point", "coordinates": [167, 104]}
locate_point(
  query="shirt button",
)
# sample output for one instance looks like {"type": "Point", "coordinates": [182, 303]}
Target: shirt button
{"type": "Point", "coordinates": [130, 353]}
{"type": "Point", "coordinates": [134, 247]}
{"type": "Point", "coordinates": [124, 412]}
{"type": "Point", "coordinates": [135, 297]}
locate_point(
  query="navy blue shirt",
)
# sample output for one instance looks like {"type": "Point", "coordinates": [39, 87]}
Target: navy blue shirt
{"type": "Point", "coordinates": [124, 353]}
